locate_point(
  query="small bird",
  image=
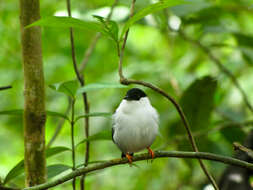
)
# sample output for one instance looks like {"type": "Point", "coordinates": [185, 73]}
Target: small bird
{"type": "Point", "coordinates": [135, 124]}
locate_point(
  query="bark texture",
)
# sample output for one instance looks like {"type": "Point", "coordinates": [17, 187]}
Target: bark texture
{"type": "Point", "coordinates": [34, 106]}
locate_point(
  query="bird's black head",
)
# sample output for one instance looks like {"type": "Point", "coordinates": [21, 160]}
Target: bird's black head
{"type": "Point", "coordinates": [134, 94]}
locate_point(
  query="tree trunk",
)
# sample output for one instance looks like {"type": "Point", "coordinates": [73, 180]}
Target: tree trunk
{"type": "Point", "coordinates": [34, 103]}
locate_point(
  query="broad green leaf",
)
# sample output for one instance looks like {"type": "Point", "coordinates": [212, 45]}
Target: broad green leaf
{"type": "Point", "coordinates": [57, 114]}
{"type": "Point", "coordinates": [56, 169]}
{"type": "Point", "coordinates": [149, 10]}
{"type": "Point", "coordinates": [198, 102]}
{"type": "Point", "coordinates": [12, 112]}
{"type": "Point", "coordinates": [243, 39]}
{"type": "Point", "coordinates": [97, 86]}
{"type": "Point", "coordinates": [69, 87]}
{"type": "Point", "coordinates": [56, 150]}
{"type": "Point", "coordinates": [186, 9]}
{"type": "Point", "coordinates": [102, 135]}
{"type": "Point", "coordinates": [233, 134]}
{"type": "Point", "coordinates": [96, 114]}
{"type": "Point", "coordinates": [67, 22]}
{"type": "Point", "coordinates": [18, 169]}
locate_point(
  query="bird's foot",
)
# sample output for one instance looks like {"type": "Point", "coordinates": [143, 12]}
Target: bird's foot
{"type": "Point", "coordinates": [151, 152]}
{"type": "Point", "coordinates": [129, 157]}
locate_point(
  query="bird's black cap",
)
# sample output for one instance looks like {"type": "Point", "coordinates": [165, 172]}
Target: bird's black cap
{"type": "Point", "coordinates": [134, 94]}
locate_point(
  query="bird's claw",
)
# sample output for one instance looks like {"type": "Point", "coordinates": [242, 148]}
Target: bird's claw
{"type": "Point", "coordinates": [130, 158]}
{"type": "Point", "coordinates": [151, 152]}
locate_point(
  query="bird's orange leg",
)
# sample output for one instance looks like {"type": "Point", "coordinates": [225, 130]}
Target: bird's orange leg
{"type": "Point", "coordinates": [151, 152]}
{"type": "Point", "coordinates": [129, 157]}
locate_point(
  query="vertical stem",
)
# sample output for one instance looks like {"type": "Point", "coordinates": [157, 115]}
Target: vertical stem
{"type": "Point", "coordinates": [73, 140]}
{"type": "Point", "coordinates": [34, 94]}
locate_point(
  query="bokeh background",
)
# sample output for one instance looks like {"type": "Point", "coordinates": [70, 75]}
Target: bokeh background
{"type": "Point", "coordinates": [154, 54]}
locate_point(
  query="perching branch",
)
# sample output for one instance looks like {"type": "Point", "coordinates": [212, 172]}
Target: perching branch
{"type": "Point", "coordinates": [220, 66]}
{"type": "Point", "coordinates": [5, 87]}
{"type": "Point", "coordinates": [145, 156]}
{"type": "Point", "coordinates": [126, 81]}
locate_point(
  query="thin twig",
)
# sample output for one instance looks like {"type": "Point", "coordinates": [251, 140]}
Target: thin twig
{"type": "Point", "coordinates": [126, 81]}
{"type": "Point", "coordinates": [145, 156]}
{"type": "Point", "coordinates": [73, 141]}
{"type": "Point", "coordinates": [73, 100]}
{"type": "Point", "coordinates": [85, 98]}
{"type": "Point", "coordinates": [220, 66]}
{"type": "Point", "coordinates": [5, 87]}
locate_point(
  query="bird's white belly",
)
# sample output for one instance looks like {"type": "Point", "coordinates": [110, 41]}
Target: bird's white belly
{"type": "Point", "coordinates": [135, 132]}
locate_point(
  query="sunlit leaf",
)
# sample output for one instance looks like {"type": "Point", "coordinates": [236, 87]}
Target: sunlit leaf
{"type": "Point", "coordinates": [96, 114]}
{"type": "Point", "coordinates": [97, 86]}
{"type": "Point", "coordinates": [150, 9]}
{"type": "Point", "coordinates": [56, 169]}
{"type": "Point", "coordinates": [18, 169]}
{"type": "Point", "coordinates": [69, 87]}
{"type": "Point", "coordinates": [67, 22]}
{"type": "Point", "coordinates": [56, 150]}
{"type": "Point", "coordinates": [102, 135]}
{"type": "Point", "coordinates": [57, 114]}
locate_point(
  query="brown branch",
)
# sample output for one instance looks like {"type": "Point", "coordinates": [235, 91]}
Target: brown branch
{"type": "Point", "coordinates": [126, 81]}
{"type": "Point", "coordinates": [145, 156]}
{"type": "Point", "coordinates": [220, 66]}
{"type": "Point", "coordinates": [5, 87]}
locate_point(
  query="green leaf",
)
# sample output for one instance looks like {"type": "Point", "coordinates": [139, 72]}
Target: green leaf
{"type": "Point", "coordinates": [233, 134]}
{"type": "Point", "coordinates": [69, 87]}
{"type": "Point", "coordinates": [110, 27]}
{"type": "Point", "coordinates": [149, 10]}
{"type": "Point", "coordinates": [56, 169]}
{"type": "Point", "coordinates": [243, 39]}
{"type": "Point", "coordinates": [56, 150]}
{"type": "Point", "coordinates": [102, 135]}
{"type": "Point", "coordinates": [198, 102]}
{"type": "Point", "coordinates": [57, 114]}
{"type": "Point", "coordinates": [96, 114]}
{"type": "Point", "coordinates": [18, 169]}
{"type": "Point", "coordinates": [97, 86]}
{"type": "Point", "coordinates": [12, 112]}
{"type": "Point", "coordinates": [67, 22]}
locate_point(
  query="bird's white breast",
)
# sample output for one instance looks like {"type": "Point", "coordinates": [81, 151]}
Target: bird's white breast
{"type": "Point", "coordinates": [135, 125]}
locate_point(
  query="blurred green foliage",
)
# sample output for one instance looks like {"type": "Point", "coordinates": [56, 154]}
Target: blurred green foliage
{"type": "Point", "coordinates": [154, 54]}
